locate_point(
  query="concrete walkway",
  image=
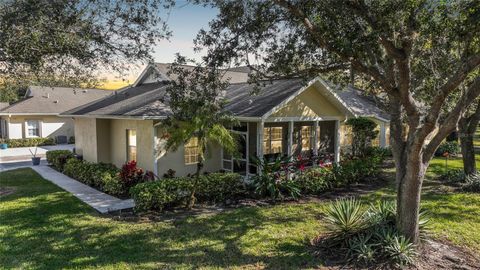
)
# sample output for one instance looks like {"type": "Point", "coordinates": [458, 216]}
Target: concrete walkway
{"type": "Point", "coordinates": [100, 201]}
{"type": "Point", "coordinates": [23, 153]}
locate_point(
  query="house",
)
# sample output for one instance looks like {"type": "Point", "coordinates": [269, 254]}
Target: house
{"type": "Point", "coordinates": [36, 115]}
{"type": "Point", "coordinates": [287, 117]}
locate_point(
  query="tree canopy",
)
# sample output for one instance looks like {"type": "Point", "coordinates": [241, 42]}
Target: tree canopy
{"type": "Point", "coordinates": [75, 38]}
{"type": "Point", "coordinates": [415, 53]}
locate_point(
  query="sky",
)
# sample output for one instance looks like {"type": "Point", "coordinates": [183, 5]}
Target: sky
{"type": "Point", "coordinates": [184, 20]}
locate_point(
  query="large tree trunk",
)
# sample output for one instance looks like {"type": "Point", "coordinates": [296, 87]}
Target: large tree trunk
{"type": "Point", "coordinates": [468, 152]}
{"type": "Point", "coordinates": [410, 175]}
{"type": "Point", "coordinates": [467, 127]}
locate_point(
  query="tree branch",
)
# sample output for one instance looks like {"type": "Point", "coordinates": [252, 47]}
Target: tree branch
{"type": "Point", "coordinates": [452, 118]}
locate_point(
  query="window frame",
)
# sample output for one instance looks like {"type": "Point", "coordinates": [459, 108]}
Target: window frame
{"type": "Point", "coordinates": [130, 146]}
{"type": "Point", "coordinates": [191, 158]}
{"type": "Point", "coordinates": [27, 128]}
{"type": "Point", "coordinates": [267, 140]}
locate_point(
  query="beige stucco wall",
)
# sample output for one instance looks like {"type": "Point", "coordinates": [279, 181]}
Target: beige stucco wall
{"type": "Point", "coordinates": [310, 103]}
{"type": "Point", "coordinates": [86, 138]}
{"type": "Point", "coordinates": [175, 160]}
{"type": "Point", "coordinates": [50, 126]}
{"type": "Point", "coordinates": [118, 142]}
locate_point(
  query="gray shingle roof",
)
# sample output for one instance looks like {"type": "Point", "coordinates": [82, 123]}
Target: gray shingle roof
{"type": "Point", "coordinates": [235, 75]}
{"type": "Point", "coordinates": [149, 101]}
{"type": "Point", "coordinates": [359, 102]}
{"type": "Point", "coordinates": [53, 100]}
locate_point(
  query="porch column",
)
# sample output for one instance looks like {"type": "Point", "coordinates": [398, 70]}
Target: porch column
{"type": "Point", "coordinates": [337, 141]}
{"type": "Point", "coordinates": [154, 144]}
{"type": "Point", "coordinates": [383, 138]}
{"type": "Point", "coordinates": [260, 126]}
{"type": "Point", "coordinates": [290, 138]}
{"type": "Point", "coordinates": [315, 138]}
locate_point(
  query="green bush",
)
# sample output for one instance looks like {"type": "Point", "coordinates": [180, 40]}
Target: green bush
{"type": "Point", "coordinates": [100, 175]}
{"type": "Point", "coordinates": [214, 187]}
{"type": "Point", "coordinates": [368, 235]}
{"type": "Point", "coordinates": [162, 193]}
{"type": "Point", "coordinates": [472, 183]}
{"type": "Point", "coordinates": [314, 180]}
{"type": "Point", "coordinates": [28, 142]}
{"type": "Point", "coordinates": [58, 158]}
{"type": "Point", "coordinates": [452, 148]}
{"type": "Point", "coordinates": [453, 177]}
{"type": "Point", "coordinates": [219, 187]}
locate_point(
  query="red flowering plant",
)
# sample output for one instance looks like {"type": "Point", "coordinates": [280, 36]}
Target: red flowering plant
{"type": "Point", "coordinates": [132, 175]}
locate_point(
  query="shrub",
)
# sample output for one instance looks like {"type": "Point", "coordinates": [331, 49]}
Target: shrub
{"type": "Point", "coordinates": [219, 187]}
{"type": "Point", "coordinates": [159, 194]}
{"type": "Point", "coordinates": [214, 187]}
{"type": "Point", "coordinates": [452, 148]}
{"type": "Point", "coordinates": [58, 158]}
{"type": "Point", "coordinates": [454, 176]}
{"type": "Point", "coordinates": [169, 174]}
{"type": "Point", "coordinates": [100, 175]}
{"type": "Point", "coordinates": [273, 181]}
{"type": "Point", "coordinates": [314, 180]}
{"type": "Point", "coordinates": [368, 235]}
{"type": "Point", "coordinates": [28, 142]}
{"type": "Point", "coordinates": [363, 132]}
{"type": "Point", "coordinates": [130, 175]}
{"type": "Point", "coordinates": [472, 183]}
{"type": "Point", "coordinates": [345, 217]}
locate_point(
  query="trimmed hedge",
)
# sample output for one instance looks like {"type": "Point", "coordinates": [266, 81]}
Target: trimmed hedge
{"type": "Point", "coordinates": [28, 142]}
{"type": "Point", "coordinates": [99, 175]}
{"type": "Point", "coordinates": [58, 158]}
{"type": "Point", "coordinates": [214, 187]}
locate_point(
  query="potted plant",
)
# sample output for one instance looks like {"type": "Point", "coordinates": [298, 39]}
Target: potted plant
{"type": "Point", "coordinates": [35, 159]}
{"type": "Point", "coordinates": [3, 144]}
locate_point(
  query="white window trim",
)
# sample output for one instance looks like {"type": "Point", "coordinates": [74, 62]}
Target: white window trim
{"type": "Point", "coordinates": [40, 123]}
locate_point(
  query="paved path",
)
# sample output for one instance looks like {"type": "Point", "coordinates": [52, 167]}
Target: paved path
{"type": "Point", "coordinates": [23, 153]}
{"type": "Point", "coordinates": [100, 201]}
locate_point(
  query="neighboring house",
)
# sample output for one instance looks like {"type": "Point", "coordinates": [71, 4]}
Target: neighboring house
{"type": "Point", "coordinates": [287, 117]}
{"type": "Point", "coordinates": [36, 115]}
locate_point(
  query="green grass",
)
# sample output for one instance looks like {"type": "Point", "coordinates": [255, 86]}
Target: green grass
{"type": "Point", "coordinates": [44, 227]}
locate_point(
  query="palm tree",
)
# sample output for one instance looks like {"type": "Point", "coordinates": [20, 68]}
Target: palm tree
{"type": "Point", "coordinates": [207, 129]}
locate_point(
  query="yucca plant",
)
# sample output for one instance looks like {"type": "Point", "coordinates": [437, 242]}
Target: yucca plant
{"type": "Point", "coordinates": [360, 250]}
{"type": "Point", "coordinates": [383, 212]}
{"type": "Point", "coordinates": [346, 216]}
{"type": "Point", "coordinates": [400, 251]}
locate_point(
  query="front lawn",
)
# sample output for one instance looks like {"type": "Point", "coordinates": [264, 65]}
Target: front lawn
{"type": "Point", "coordinates": [44, 227]}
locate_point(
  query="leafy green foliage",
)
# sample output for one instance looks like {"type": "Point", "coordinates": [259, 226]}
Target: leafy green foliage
{"type": "Point", "coordinates": [273, 180]}
{"type": "Point", "coordinates": [363, 132]}
{"type": "Point", "coordinates": [28, 142]}
{"type": "Point", "coordinates": [472, 183]}
{"type": "Point", "coordinates": [58, 158]}
{"type": "Point", "coordinates": [99, 175]}
{"type": "Point", "coordinates": [454, 176]}
{"type": "Point", "coordinates": [368, 235]}
{"type": "Point", "coordinates": [74, 38]}
{"type": "Point", "coordinates": [197, 113]}
{"type": "Point", "coordinates": [168, 192]}
{"type": "Point", "coordinates": [314, 180]}
{"type": "Point", "coordinates": [452, 148]}
{"type": "Point", "coordinates": [345, 217]}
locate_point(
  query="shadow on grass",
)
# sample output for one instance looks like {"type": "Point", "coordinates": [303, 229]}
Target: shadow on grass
{"type": "Point", "coordinates": [43, 227]}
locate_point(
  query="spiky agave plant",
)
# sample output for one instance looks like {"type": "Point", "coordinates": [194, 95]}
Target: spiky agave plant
{"type": "Point", "coordinates": [400, 251]}
{"type": "Point", "coordinates": [345, 217]}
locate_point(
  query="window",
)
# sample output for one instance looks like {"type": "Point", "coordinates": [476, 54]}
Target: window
{"type": "Point", "coordinates": [306, 135]}
{"type": "Point", "coordinates": [191, 151]}
{"type": "Point", "coordinates": [131, 144]}
{"type": "Point", "coordinates": [272, 140]}
{"type": "Point", "coordinates": [33, 128]}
